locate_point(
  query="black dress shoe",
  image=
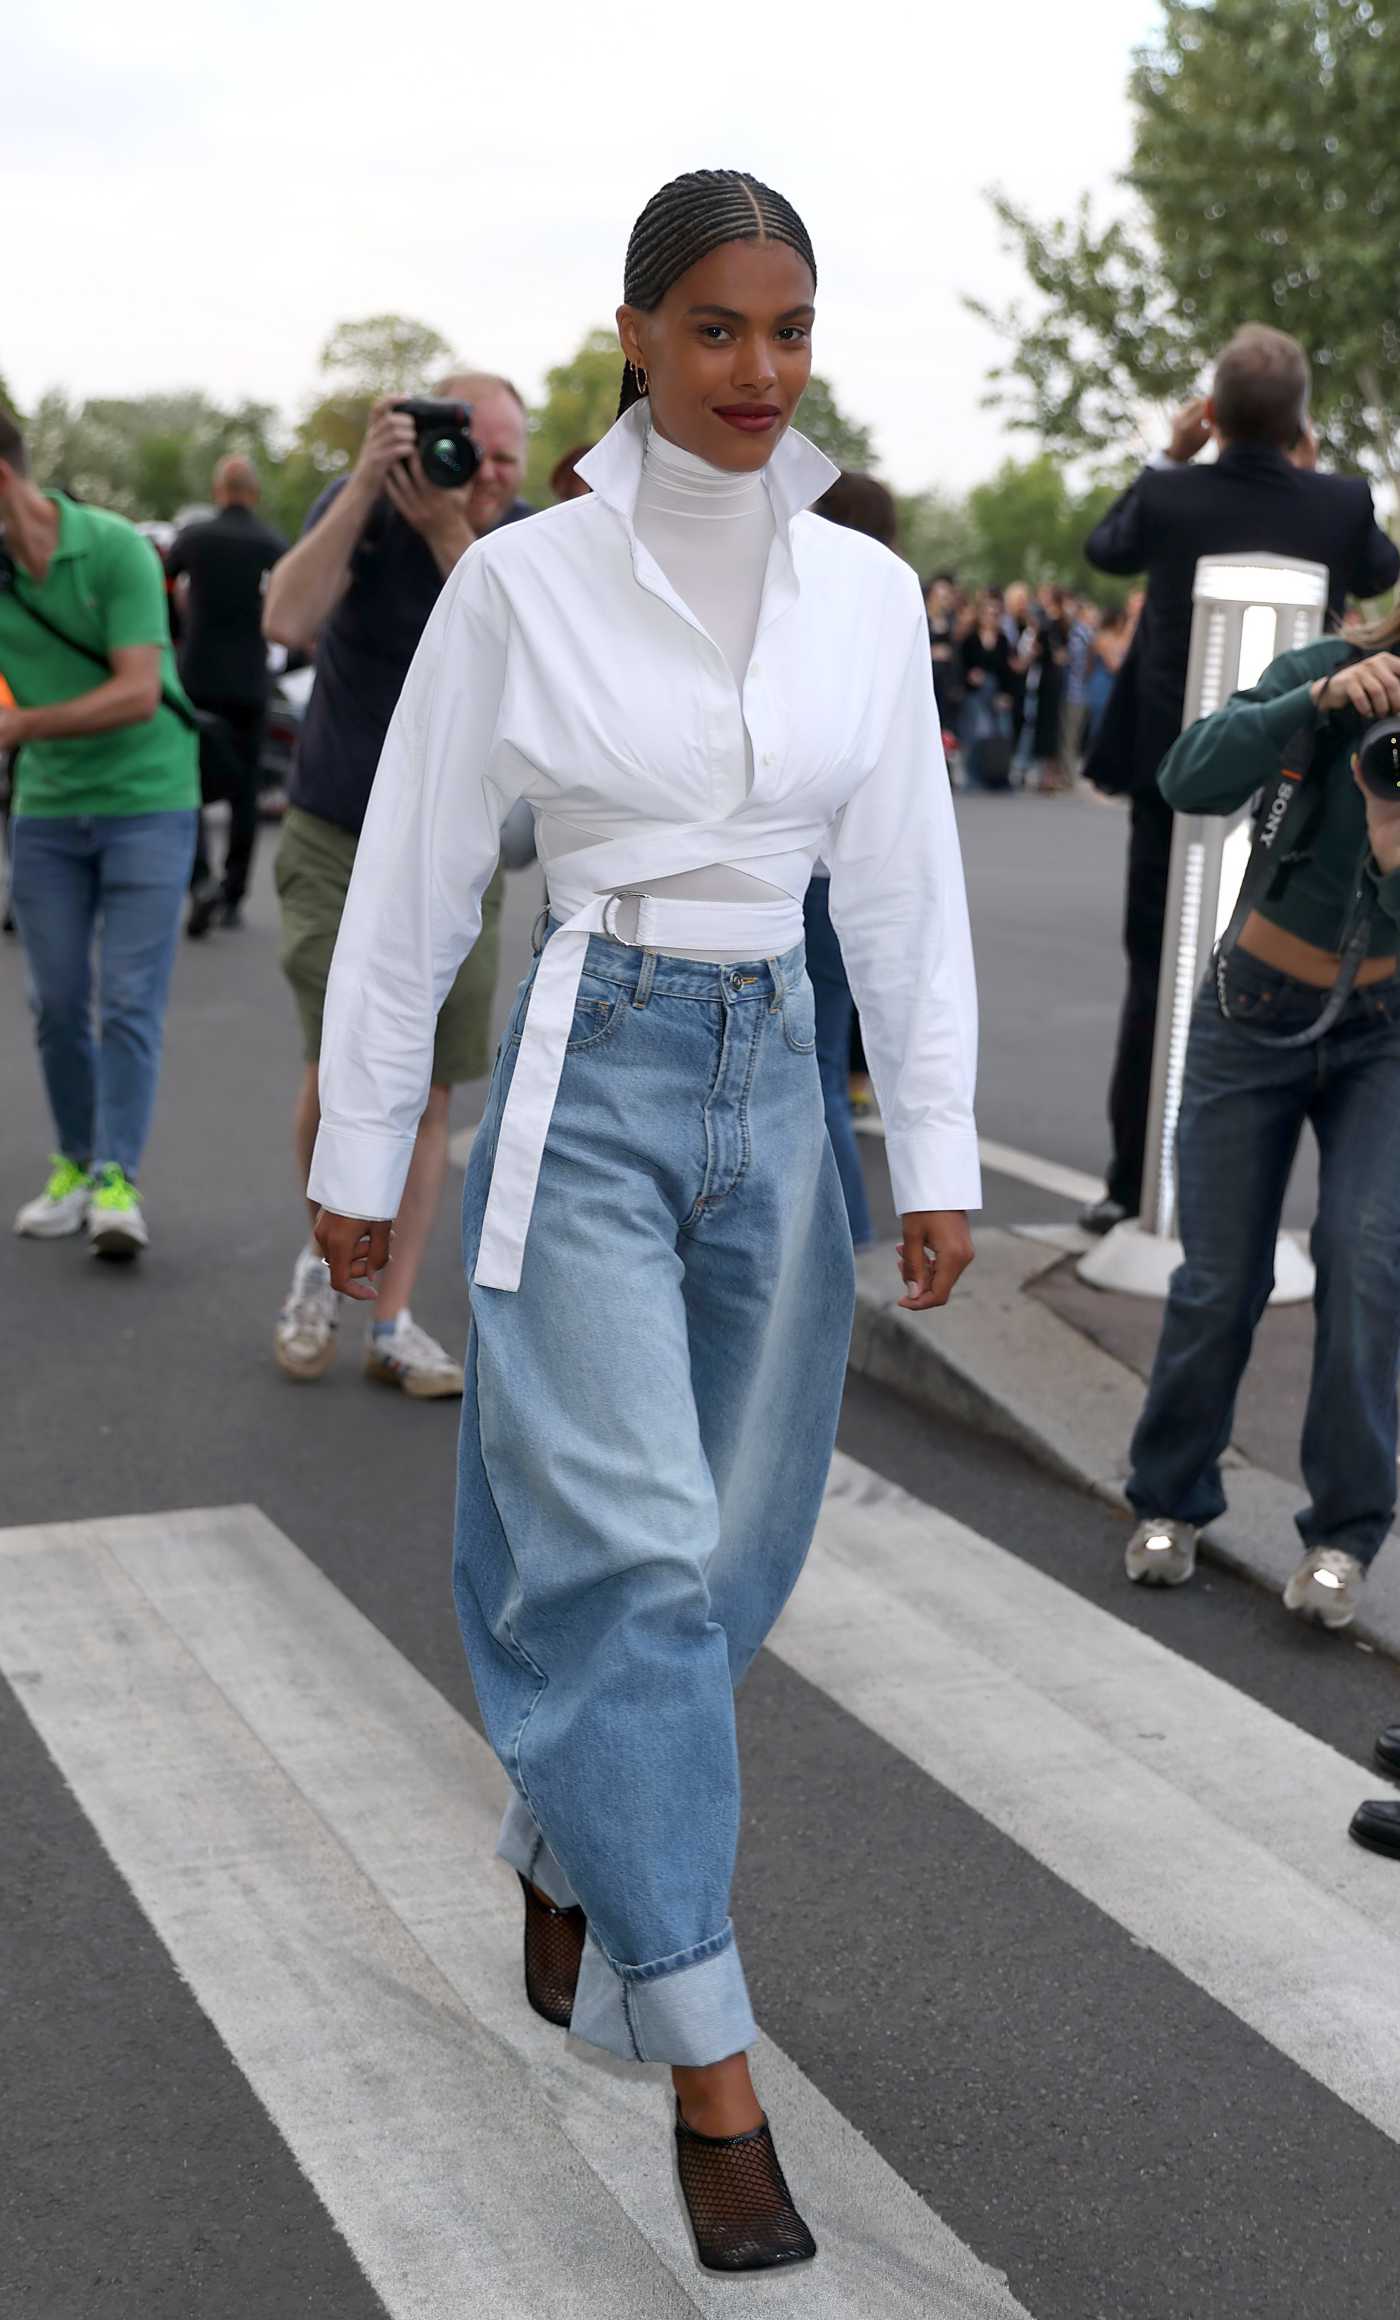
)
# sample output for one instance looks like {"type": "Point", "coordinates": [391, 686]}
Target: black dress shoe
{"type": "Point", "coordinates": [1376, 1825]}
{"type": "Point", "coordinates": [1388, 1750]}
{"type": "Point", "coordinates": [1102, 1215]}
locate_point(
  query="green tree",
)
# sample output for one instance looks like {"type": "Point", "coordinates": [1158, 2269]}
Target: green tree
{"type": "Point", "coordinates": [385, 354]}
{"type": "Point", "coordinates": [147, 455]}
{"type": "Point", "coordinates": [1264, 185]}
{"type": "Point", "coordinates": [1029, 524]}
{"type": "Point", "coordinates": [937, 534]}
{"type": "Point", "coordinates": [580, 404]}
{"type": "Point", "coordinates": [821, 419]}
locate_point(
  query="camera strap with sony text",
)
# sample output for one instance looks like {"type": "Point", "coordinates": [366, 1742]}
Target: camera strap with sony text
{"type": "Point", "coordinates": [1284, 823]}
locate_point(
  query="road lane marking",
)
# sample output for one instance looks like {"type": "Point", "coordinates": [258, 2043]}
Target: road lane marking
{"type": "Point", "coordinates": [308, 1824]}
{"type": "Point", "coordinates": [1211, 1829]}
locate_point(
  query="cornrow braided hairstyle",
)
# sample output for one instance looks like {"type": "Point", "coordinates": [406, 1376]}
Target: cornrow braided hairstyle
{"type": "Point", "coordinates": [687, 219]}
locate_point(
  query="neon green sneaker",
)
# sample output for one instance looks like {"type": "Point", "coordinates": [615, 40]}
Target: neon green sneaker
{"type": "Point", "coordinates": [116, 1227]}
{"type": "Point", "coordinates": [61, 1207]}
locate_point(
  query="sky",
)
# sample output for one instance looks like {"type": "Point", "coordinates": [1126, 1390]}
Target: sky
{"type": "Point", "coordinates": [195, 196]}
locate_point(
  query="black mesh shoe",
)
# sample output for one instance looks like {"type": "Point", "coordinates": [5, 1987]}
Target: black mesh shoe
{"type": "Point", "coordinates": [553, 1948]}
{"type": "Point", "coordinates": [741, 2209]}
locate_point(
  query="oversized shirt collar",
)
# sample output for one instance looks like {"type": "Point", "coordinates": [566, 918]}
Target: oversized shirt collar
{"type": "Point", "coordinates": [796, 475]}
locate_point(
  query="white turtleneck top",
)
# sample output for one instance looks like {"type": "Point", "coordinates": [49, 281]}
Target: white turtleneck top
{"type": "Point", "coordinates": [710, 530]}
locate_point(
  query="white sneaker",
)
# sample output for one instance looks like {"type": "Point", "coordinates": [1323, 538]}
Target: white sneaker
{"type": "Point", "coordinates": [116, 1226]}
{"type": "Point", "coordinates": [1161, 1552]}
{"type": "Point", "coordinates": [414, 1362]}
{"type": "Point", "coordinates": [1326, 1587]}
{"type": "Point", "coordinates": [61, 1207]}
{"type": "Point", "coordinates": [306, 1325]}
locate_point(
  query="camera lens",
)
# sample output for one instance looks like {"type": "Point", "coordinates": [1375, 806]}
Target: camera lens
{"type": "Point", "coordinates": [1378, 756]}
{"type": "Point", "coordinates": [442, 459]}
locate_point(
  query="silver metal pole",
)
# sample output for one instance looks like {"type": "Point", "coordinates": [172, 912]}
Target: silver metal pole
{"type": "Point", "coordinates": [1248, 610]}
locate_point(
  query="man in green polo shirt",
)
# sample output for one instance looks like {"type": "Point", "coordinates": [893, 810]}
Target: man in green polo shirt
{"type": "Point", "coordinates": [102, 836]}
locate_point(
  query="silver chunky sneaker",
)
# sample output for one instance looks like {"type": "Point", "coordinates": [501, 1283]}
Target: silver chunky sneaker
{"type": "Point", "coordinates": [307, 1322]}
{"type": "Point", "coordinates": [1326, 1587]}
{"type": "Point", "coordinates": [1161, 1552]}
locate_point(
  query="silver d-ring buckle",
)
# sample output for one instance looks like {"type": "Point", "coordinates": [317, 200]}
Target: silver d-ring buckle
{"type": "Point", "coordinates": [610, 932]}
{"type": "Point", "coordinates": [537, 931]}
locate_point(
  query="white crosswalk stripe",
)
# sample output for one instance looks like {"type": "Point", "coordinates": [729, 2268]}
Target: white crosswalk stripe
{"type": "Point", "coordinates": [1212, 1829]}
{"type": "Point", "coordinates": [308, 1826]}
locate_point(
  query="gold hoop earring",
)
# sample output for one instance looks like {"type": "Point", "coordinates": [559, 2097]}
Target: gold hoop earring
{"type": "Point", "coordinates": [641, 378]}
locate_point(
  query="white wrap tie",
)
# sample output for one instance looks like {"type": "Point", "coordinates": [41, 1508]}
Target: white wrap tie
{"type": "Point", "coordinates": [761, 930]}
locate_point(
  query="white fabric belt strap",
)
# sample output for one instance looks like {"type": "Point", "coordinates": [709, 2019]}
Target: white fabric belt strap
{"type": "Point", "coordinates": [762, 930]}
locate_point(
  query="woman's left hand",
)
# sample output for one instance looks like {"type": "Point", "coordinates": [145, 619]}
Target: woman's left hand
{"type": "Point", "coordinates": [935, 1251]}
{"type": "Point", "coordinates": [1383, 823]}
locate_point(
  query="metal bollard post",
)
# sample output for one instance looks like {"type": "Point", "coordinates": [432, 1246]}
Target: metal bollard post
{"type": "Point", "coordinates": [1248, 610]}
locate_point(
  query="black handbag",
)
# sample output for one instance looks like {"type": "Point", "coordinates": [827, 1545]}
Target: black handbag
{"type": "Point", "coordinates": [218, 758]}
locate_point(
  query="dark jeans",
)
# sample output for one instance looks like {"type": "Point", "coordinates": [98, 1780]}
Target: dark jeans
{"type": "Point", "coordinates": [116, 880]}
{"type": "Point", "coordinates": [1242, 1112]}
{"type": "Point", "coordinates": [835, 1014]}
{"type": "Point", "coordinates": [237, 781]}
{"type": "Point", "coordinates": [1144, 916]}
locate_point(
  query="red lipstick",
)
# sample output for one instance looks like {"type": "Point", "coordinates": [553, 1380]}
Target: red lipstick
{"type": "Point", "coordinates": [749, 418]}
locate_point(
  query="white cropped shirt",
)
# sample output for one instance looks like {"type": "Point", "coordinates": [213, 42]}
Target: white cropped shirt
{"type": "Point", "coordinates": [711, 531]}
{"type": "Point", "coordinates": [560, 665]}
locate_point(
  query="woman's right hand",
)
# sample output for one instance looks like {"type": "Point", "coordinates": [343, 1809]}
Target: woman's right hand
{"type": "Point", "coordinates": [1370, 687]}
{"type": "Point", "coordinates": [356, 1248]}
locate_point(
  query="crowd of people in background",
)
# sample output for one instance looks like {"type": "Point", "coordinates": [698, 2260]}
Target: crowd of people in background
{"type": "Point", "coordinates": [1022, 677]}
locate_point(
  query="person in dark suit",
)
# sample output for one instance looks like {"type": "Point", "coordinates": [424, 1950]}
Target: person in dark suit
{"type": "Point", "coordinates": [1262, 492]}
{"type": "Point", "coordinates": [220, 570]}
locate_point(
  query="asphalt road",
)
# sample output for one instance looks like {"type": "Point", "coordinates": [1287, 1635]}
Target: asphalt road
{"type": "Point", "coordinates": [1122, 2122]}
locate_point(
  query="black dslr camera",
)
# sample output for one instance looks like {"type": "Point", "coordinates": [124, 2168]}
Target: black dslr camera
{"type": "Point", "coordinates": [446, 452]}
{"type": "Point", "coordinates": [1378, 758]}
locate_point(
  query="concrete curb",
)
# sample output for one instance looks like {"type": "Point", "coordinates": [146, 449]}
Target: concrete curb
{"type": "Point", "coordinates": [1004, 1362]}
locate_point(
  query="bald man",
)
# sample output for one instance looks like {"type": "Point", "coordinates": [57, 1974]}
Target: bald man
{"type": "Point", "coordinates": [221, 570]}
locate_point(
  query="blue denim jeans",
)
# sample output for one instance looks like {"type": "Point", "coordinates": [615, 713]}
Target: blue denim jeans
{"type": "Point", "coordinates": [116, 880]}
{"type": "Point", "coordinates": [1243, 1109]}
{"type": "Point", "coordinates": [646, 1431]}
{"type": "Point", "coordinates": [835, 1009]}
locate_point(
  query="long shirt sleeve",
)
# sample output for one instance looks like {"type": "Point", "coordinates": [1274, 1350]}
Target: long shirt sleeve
{"type": "Point", "coordinates": [426, 854]}
{"type": "Point", "coordinates": [1221, 760]}
{"type": "Point", "coordinates": [900, 910]}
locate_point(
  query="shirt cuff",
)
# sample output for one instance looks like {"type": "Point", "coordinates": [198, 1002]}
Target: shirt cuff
{"type": "Point", "coordinates": [359, 1171]}
{"type": "Point", "coordinates": [933, 1168]}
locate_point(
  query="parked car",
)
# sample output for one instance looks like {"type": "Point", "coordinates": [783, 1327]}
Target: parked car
{"type": "Point", "coordinates": [286, 707]}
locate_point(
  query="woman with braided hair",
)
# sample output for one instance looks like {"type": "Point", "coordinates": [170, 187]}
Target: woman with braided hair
{"type": "Point", "coordinates": [699, 687]}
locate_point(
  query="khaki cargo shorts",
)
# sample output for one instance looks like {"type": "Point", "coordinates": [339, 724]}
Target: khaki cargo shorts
{"type": "Point", "coordinates": [314, 862]}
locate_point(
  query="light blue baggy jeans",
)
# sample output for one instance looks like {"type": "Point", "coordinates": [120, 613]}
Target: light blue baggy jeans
{"type": "Point", "coordinates": [646, 1431]}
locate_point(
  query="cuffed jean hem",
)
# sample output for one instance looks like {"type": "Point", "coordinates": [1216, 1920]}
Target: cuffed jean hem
{"type": "Point", "coordinates": [688, 2013]}
{"type": "Point", "coordinates": [690, 2009]}
{"type": "Point", "coordinates": [521, 1844]}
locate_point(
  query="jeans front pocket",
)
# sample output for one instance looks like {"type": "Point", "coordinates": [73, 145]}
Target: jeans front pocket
{"type": "Point", "coordinates": [597, 1010]}
{"type": "Point", "coordinates": [800, 1017]}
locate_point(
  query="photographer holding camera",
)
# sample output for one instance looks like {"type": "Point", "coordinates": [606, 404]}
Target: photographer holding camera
{"type": "Point", "coordinates": [359, 586]}
{"type": "Point", "coordinates": [1299, 1021]}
